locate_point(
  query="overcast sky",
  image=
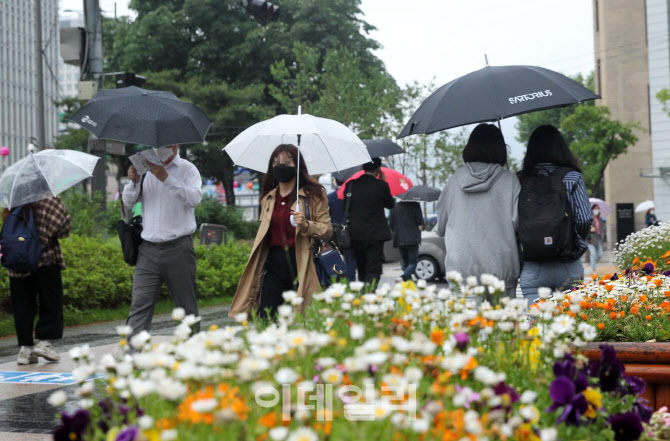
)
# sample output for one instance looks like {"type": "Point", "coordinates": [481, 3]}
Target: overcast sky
{"type": "Point", "coordinates": [443, 39]}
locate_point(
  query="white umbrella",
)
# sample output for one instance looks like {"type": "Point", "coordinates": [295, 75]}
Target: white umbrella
{"type": "Point", "coordinates": [43, 175]}
{"type": "Point", "coordinates": [605, 208]}
{"type": "Point", "coordinates": [644, 206]}
{"type": "Point", "coordinates": [324, 144]}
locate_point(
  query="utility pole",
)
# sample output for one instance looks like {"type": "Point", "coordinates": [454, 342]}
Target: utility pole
{"type": "Point", "coordinates": [41, 132]}
{"type": "Point", "coordinates": [93, 19]}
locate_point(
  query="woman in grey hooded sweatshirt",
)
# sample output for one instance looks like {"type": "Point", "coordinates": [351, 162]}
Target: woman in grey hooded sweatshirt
{"type": "Point", "coordinates": [477, 211]}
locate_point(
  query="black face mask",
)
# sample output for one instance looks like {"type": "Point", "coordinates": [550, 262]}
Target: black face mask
{"type": "Point", "coordinates": [283, 173]}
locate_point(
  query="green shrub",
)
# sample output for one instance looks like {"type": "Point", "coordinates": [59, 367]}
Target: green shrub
{"type": "Point", "coordinates": [211, 211]}
{"type": "Point", "coordinates": [97, 277]}
{"type": "Point", "coordinates": [84, 209]}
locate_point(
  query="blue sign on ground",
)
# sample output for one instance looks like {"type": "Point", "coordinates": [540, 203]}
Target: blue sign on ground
{"type": "Point", "coordinates": [39, 377]}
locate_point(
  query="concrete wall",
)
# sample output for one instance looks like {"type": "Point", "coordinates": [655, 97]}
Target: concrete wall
{"type": "Point", "coordinates": [659, 78]}
{"type": "Point", "coordinates": [622, 78]}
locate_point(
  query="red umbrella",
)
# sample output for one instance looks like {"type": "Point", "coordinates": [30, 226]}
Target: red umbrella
{"type": "Point", "coordinates": [398, 183]}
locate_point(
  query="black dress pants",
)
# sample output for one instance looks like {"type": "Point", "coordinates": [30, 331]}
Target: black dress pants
{"type": "Point", "coordinates": [280, 275]}
{"type": "Point", "coordinates": [369, 259]}
{"type": "Point", "coordinates": [46, 287]}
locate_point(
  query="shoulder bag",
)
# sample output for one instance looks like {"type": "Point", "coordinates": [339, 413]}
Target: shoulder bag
{"type": "Point", "coordinates": [130, 232]}
{"type": "Point", "coordinates": [341, 232]}
{"type": "Point", "coordinates": [328, 260]}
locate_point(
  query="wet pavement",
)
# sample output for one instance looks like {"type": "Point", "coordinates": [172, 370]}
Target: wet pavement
{"type": "Point", "coordinates": [25, 414]}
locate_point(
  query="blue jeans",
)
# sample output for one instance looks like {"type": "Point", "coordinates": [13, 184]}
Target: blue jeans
{"type": "Point", "coordinates": [554, 275]}
{"type": "Point", "coordinates": [410, 257]}
{"type": "Point", "coordinates": [350, 265]}
{"type": "Point", "coordinates": [595, 253]}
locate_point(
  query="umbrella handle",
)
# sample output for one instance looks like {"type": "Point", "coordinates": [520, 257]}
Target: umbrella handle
{"type": "Point", "coordinates": [297, 208]}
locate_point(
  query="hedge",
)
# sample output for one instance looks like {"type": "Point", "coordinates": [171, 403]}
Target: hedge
{"type": "Point", "coordinates": [97, 277]}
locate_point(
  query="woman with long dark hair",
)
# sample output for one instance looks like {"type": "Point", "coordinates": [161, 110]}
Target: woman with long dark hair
{"type": "Point", "coordinates": [547, 153]}
{"type": "Point", "coordinates": [281, 257]}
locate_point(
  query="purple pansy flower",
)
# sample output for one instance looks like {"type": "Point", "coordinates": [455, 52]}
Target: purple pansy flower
{"type": "Point", "coordinates": [564, 394]}
{"type": "Point", "coordinates": [128, 434]}
{"type": "Point", "coordinates": [72, 427]}
{"type": "Point", "coordinates": [635, 385]}
{"type": "Point", "coordinates": [643, 410]}
{"type": "Point", "coordinates": [462, 340]}
{"type": "Point", "coordinates": [614, 277]}
{"type": "Point", "coordinates": [626, 426]}
{"type": "Point", "coordinates": [648, 268]}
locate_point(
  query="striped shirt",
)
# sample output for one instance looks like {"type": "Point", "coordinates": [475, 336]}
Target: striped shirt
{"type": "Point", "coordinates": [578, 198]}
{"type": "Point", "coordinates": [52, 222]}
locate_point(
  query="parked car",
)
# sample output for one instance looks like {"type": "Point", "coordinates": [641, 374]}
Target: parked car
{"type": "Point", "coordinates": [432, 253]}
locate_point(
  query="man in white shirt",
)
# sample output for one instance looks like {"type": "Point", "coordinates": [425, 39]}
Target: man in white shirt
{"type": "Point", "coordinates": [169, 195]}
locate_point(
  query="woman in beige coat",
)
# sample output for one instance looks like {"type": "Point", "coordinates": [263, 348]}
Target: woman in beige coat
{"type": "Point", "coordinates": [281, 257]}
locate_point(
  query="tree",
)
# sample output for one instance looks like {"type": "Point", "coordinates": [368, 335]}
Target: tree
{"type": "Point", "coordinates": [663, 96]}
{"type": "Point", "coordinates": [528, 122]}
{"type": "Point", "coordinates": [213, 53]}
{"type": "Point", "coordinates": [598, 139]}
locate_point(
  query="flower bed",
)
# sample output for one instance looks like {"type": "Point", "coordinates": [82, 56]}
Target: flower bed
{"type": "Point", "coordinates": [651, 243]}
{"type": "Point", "coordinates": [403, 363]}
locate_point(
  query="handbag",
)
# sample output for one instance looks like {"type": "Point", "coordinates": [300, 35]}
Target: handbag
{"type": "Point", "coordinates": [328, 260]}
{"type": "Point", "coordinates": [130, 232]}
{"type": "Point", "coordinates": [341, 233]}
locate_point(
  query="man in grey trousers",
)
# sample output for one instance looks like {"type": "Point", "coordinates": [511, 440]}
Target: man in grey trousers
{"type": "Point", "coordinates": [169, 194]}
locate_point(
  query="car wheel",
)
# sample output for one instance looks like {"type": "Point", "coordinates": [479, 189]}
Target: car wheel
{"type": "Point", "coordinates": [427, 269]}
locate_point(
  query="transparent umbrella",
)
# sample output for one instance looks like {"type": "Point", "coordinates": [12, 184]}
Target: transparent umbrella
{"type": "Point", "coordinates": [43, 175]}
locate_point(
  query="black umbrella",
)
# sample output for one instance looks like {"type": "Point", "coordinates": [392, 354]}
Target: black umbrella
{"type": "Point", "coordinates": [420, 193]}
{"type": "Point", "coordinates": [381, 148]}
{"type": "Point", "coordinates": [344, 175]}
{"type": "Point", "coordinates": [494, 93]}
{"type": "Point", "coordinates": [138, 116]}
{"type": "Point", "coordinates": [377, 148]}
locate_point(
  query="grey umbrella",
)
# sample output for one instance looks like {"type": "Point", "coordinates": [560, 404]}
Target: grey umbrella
{"type": "Point", "coordinates": [494, 93]}
{"type": "Point", "coordinates": [420, 193]}
{"type": "Point", "coordinates": [138, 116]}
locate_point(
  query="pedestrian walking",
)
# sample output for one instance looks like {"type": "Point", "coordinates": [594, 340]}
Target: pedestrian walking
{"type": "Point", "coordinates": [40, 290]}
{"type": "Point", "coordinates": [477, 211]}
{"type": "Point", "coordinates": [369, 227]}
{"type": "Point", "coordinates": [650, 218]}
{"type": "Point", "coordinates": [169, 194]}
{"type": "Point", "coordinates": [406, 221]}
{"type": "Point", "coordinates": [281, 258]}
{"type": "Point", "coordinates": [596, 238]}
{"type": "Point", "coordinates": [555, 215]}
{"type": "Point", "coordinates": [336, 211]}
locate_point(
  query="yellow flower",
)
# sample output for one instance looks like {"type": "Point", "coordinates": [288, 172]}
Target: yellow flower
{"type": "Point", "coordinates": [595, 400]}
{"type": "Point", "coordinates": [151, 435]}
{"type": "Point", "coordinates": [213, 327]}
{"type": "Point", "coordinates": [111, 434]}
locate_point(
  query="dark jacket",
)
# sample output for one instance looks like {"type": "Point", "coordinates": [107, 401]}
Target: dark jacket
{"type": "Point", "coordinates": [406, 219]}
{"type": "Point", "coordinates": [369, 197]}
{"type": "Point", "coordinates": [335, 208]}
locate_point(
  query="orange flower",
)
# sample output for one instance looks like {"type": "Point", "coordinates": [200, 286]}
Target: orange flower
{"type": "Point", "coordinates": [643, 298]}
{"type": "Point", "coordinates": [614, 315]}
{"type": "Point", "coordinates": [658, 282]}
{"type": "Point", "coordinates": [437, 336]}
{"type": "Point", "coordinates": [601, 326]}
{"type": "Point", "coordinates": [666, 255]}
{"type": "Point", "coordinates": [594, 276]}
{"type": "Point", "coordinates": [609, 287]}
{"type": "Point", "coordinates": [636, 260]}
{"type": "Point", "coordinates": [624, 298]}
{"type": "Point", "coordinates": [622, 314]}
{"type": "Point", "coordinates": [268, 420]}
{"type": "Point", "coordinates": [607, 276]}
{"type": "Point", "coordinates": [584, 317]}
{"type": "Point", "coordinates": [635, 310]}
{"type": "Point", "coordinates": [648, 318]}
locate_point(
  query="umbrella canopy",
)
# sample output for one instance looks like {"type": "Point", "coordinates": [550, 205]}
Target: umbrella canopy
{"type": "Point", "coordinates": [645, 206]}
{"type": "Point", "coordinates": [138, 116]}
{"type": "Point", "coordinates": [325, 145]}
{"type": "Point", "coordinates": [381, 148]}
{"type": "Point", "coordinates": [344, 175]}
{"type": "Point", "coordinates": [398, 183]}
{"type": "Point", "coordinates": [494, 93]}
{"type": "Point", "coordinates": [605, 208]}
{"type": "Point", "coordinates": [43, 175]}
{"type": "Point", "coordinates": [420, 193]}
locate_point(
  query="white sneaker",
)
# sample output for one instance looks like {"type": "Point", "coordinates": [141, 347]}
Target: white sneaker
{"type": "Point", "coordinates": [26, 356]}
{"type": "Point", "coordinates": [44, 349]}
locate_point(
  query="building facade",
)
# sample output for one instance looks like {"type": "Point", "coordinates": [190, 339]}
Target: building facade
{"type": "Point", "coordinates": [18, 81]}
{"type": "Point", "coordinates": [631, 55]}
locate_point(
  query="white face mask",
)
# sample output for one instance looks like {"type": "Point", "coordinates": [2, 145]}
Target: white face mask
{"type": "Point", "coordinates": [596, 212]}
{"type": "Point", "coordinates": [651, 212]}
{"type": "Point", "coordinates": [164, 153]}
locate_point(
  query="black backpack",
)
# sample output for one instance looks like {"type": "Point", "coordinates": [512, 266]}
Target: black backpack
{"type": "Point", "coordinates": [546, 231]}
